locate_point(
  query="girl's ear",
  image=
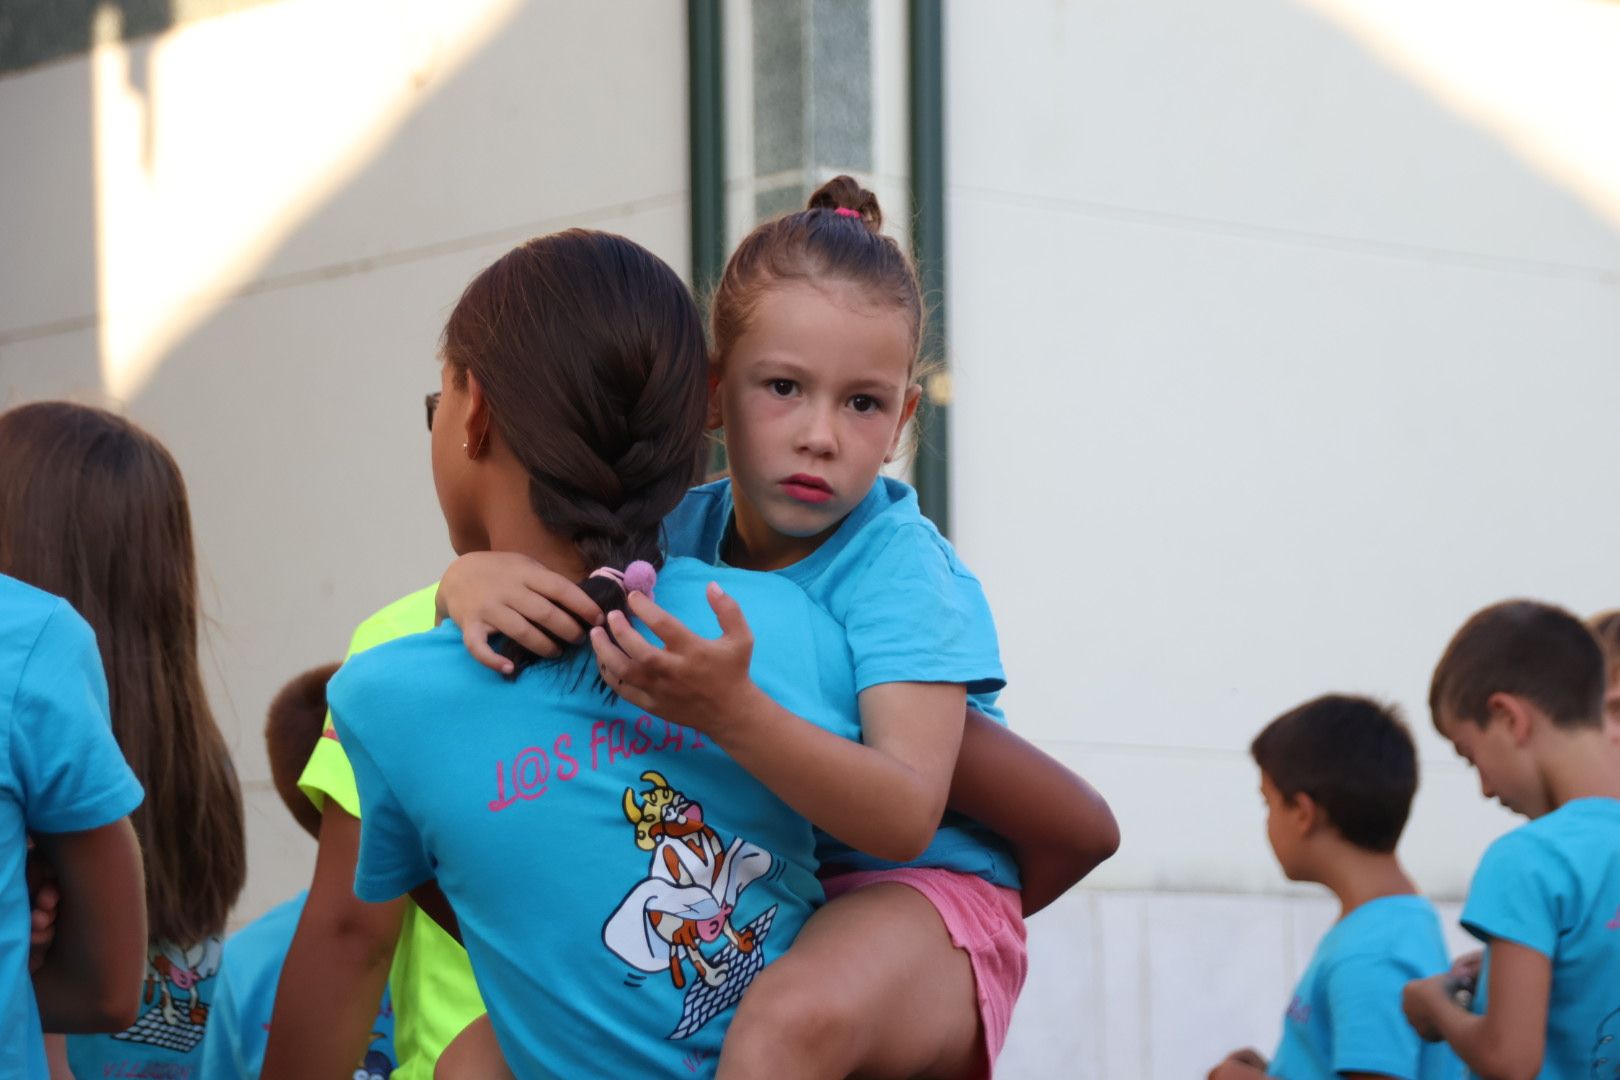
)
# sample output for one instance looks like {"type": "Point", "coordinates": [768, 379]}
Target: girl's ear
{"type": "Point", "coordinates": [476, 435]}
{"type": "Point", "coordinates": [908, 409]}
{"type": "Point", "coordinates": [712, 419]}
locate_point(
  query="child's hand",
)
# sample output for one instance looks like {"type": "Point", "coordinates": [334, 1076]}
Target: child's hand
{"type": "Point", "coordinates": [495, 592]}
{"type": "Point", "coordinates": [1242, 1064]}
{"type": "Point", "coordinates": [44, 897]}
{"type": "Point", "coordinates": [1421, 1000]}
{"type": "Point", "coordinates": [1467, 965]}
{"type": "Point", "coordinates": [692, 680]}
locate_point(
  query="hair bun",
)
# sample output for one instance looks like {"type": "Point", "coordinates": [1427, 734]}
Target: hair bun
{"type": "Point", "coordinates": [844, 193]}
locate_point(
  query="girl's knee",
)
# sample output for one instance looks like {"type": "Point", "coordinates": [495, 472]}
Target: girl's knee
{"type": "Point", "coordinates": [786, 1008]}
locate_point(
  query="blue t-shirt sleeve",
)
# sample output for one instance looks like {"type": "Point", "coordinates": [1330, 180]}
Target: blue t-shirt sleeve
{"type": "Point", "coordinates": [1517, 893]}
{"type": "Point", "coordinates": [917, 616]}
{"type": "Point", "coordinates": [392, 859]}
{"type": "Point", "coordinates": [1370, 1032]}
{"type": "Point", "coordinates": [72, 772]}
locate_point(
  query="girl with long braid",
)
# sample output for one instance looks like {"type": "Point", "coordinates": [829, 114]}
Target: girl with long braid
{"type": "Point", "coordinates": [618, 880]}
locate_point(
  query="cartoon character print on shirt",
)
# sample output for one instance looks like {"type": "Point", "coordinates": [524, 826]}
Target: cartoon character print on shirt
{"type": "Point", "coordinates": [173, 1015]}
{"type": "Point", "coordinates": [686, 902]}
{"type": "Point", "coordinates": [376, 1066]}
{"type": "Point", "coordinates": [1606, 1049]}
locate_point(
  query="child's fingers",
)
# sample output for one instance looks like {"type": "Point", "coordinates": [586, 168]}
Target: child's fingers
{"type": "Point", "coordinates": [560, 591]}
{"type": "Point", "coordinates": [732, 622]}
{"type": "Point", "coordinates": [475, 636]}
{"type": "Point", "coordinates": [610, 659]}
{"type": "Point", "coordinates": [669, 629]}
{"type": "Point", "coordinates": [636, 647]}
{"type": "Point", "coordinates": [524, 632]}
{"type": "Point", "coordinates": [539, 611]}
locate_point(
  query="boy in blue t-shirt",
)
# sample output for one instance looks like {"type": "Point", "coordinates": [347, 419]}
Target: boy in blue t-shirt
{"type": "Point", "coordinates": [245, 995]}
{"type": "Point", "coordinates": [1338, 775]}
{"type": "Point", "coordinates": [1520, 692]}
{"type": "Point", "coordinates": [619, 880]}
{"type": "Point", "coordinates": [63, 779]}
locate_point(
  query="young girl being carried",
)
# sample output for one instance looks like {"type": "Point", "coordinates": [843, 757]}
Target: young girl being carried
{"type": "Point", "coordinates": [914, 965]}
{"type": "Point", "coordinates": [94, 509]}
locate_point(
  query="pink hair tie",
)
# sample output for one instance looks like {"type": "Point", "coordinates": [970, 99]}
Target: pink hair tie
{"type": "Point", "coordinates": [639, 577]}
{"type": "Point", "coordinates": [844, 211]}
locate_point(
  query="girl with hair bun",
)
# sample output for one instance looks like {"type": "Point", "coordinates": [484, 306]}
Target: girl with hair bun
{"type": "Point", "coordinates": [617, 879]}
{"type": "Point", "coordinates": [913, 966]}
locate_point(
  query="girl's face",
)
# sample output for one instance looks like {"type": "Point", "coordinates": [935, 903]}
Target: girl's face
{"type": "Point", "coordinates": [814, 396]}
{"type": "Point", "coordinates": [452, 470]}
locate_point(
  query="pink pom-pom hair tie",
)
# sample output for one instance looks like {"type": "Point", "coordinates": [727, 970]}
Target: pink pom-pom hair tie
{"type": "Point", "coordinates": [639, 577]}
{"type": "Point", "coordinates": [844, 211]}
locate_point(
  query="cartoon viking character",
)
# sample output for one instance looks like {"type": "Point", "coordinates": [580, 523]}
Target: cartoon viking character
{"type": "Point", "coordinates": [690, 890]}
{"type": "Point", "coordinates": [184, 967]}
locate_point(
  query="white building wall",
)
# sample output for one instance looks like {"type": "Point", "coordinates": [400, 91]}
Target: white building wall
{"type": "Point", "coordinates": [247, 232]}
{"type": "Point", "coordinates": [1285, 335]}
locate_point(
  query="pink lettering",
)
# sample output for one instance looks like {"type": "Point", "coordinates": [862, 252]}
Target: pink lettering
{"type": "Point", "coordinates": [1614, 923]}
{"type": "Point", "coordinates": [529, 776]}
{"type": "Point", "coordinates": [559, 750]}
{"type": "Point", "coordinates": [598, 739]}
{"type": "Point", "coordinates": [674, 736]}
{"type": "Point", "coordinates": [616, 748]}
{"type": "Point", "coordinates": [643, 740]}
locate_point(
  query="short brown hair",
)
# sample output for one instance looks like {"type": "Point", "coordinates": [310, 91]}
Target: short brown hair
{"type": "Point", "coordinates": [1351, 755]}
{"type": "Point", "coordinates": [1605, 626]}
{"type": "Point", "coordinates": [1533, 650]}
{"type": "Point", "coordinates": [291, 732]}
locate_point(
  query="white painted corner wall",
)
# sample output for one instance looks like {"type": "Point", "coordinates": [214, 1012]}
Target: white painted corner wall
{"type": "Point", "coordinates": [1285, 334]}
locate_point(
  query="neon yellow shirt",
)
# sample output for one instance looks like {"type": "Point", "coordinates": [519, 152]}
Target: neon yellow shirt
{"type": "Point", "coordinates": [431, 979]}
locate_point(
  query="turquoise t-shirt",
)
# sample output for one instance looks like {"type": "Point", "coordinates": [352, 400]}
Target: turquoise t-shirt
{"type": "Point", "coordinates": [1346, 1016]}
{"type": "Point", "coordinates": [176, 1011]}
{"type": "Point", "coordinates": [239, 1025]}
{"type": "Point", "coordinates": [618, 879]}
{"type": "Point", "coordinates": [912, 613]}
{"type": "Point", "coordinates": [60, 772]}
{"type": "Point", "coordinates": [1553, 885]}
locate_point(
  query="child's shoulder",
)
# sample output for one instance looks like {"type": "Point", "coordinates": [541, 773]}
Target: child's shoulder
{"type": "Point", "coordinates": [890, 523]}
{"type": "Point", "coordinates": [403, 672]}
{"type": "Point", "coordinates": [1585, 832]}
{"type": "Point", "coordinates": [1392, 938]}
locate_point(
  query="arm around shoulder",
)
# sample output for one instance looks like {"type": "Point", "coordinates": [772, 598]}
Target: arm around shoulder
{"type": "Point", "coordinates": [90, 978]}
{"type": "Point", "coordinates": [1060, 827]}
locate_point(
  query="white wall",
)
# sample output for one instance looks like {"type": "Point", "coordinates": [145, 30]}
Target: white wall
{"type": "Point", "coordinates": [1282, 342]}
{"type": "Point", "coordinates": [248, 231]}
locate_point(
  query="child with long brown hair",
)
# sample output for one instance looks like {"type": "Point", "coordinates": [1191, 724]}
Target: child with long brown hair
{"type": "Point", "coordinates": [94, 509]}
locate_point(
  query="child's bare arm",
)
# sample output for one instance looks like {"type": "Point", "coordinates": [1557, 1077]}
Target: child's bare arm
{"type": "Point", "coordinates": [90, 977]}
{"type": "Point", "coordinates": [336, 966]}
{"type": "Point", "coordinates": [501, 592]}
{"type": "Point", "coordinates": [884, 795]}
{"type": "Point", "coordinates": [1245, 1064]}
{"type": "Point", "coordinates": [1060, 828]}
{"type": "Point", "coordinates": [1507, 1042]}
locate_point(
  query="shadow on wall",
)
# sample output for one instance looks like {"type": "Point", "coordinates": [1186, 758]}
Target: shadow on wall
{"type": "Point", "coordinates": [292, 393]}
{"type": "Point", "coordinates": [34, 32]}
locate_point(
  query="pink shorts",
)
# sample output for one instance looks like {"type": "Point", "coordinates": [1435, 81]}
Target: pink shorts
{"type": "Point", "coordinates": [985, 921]}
